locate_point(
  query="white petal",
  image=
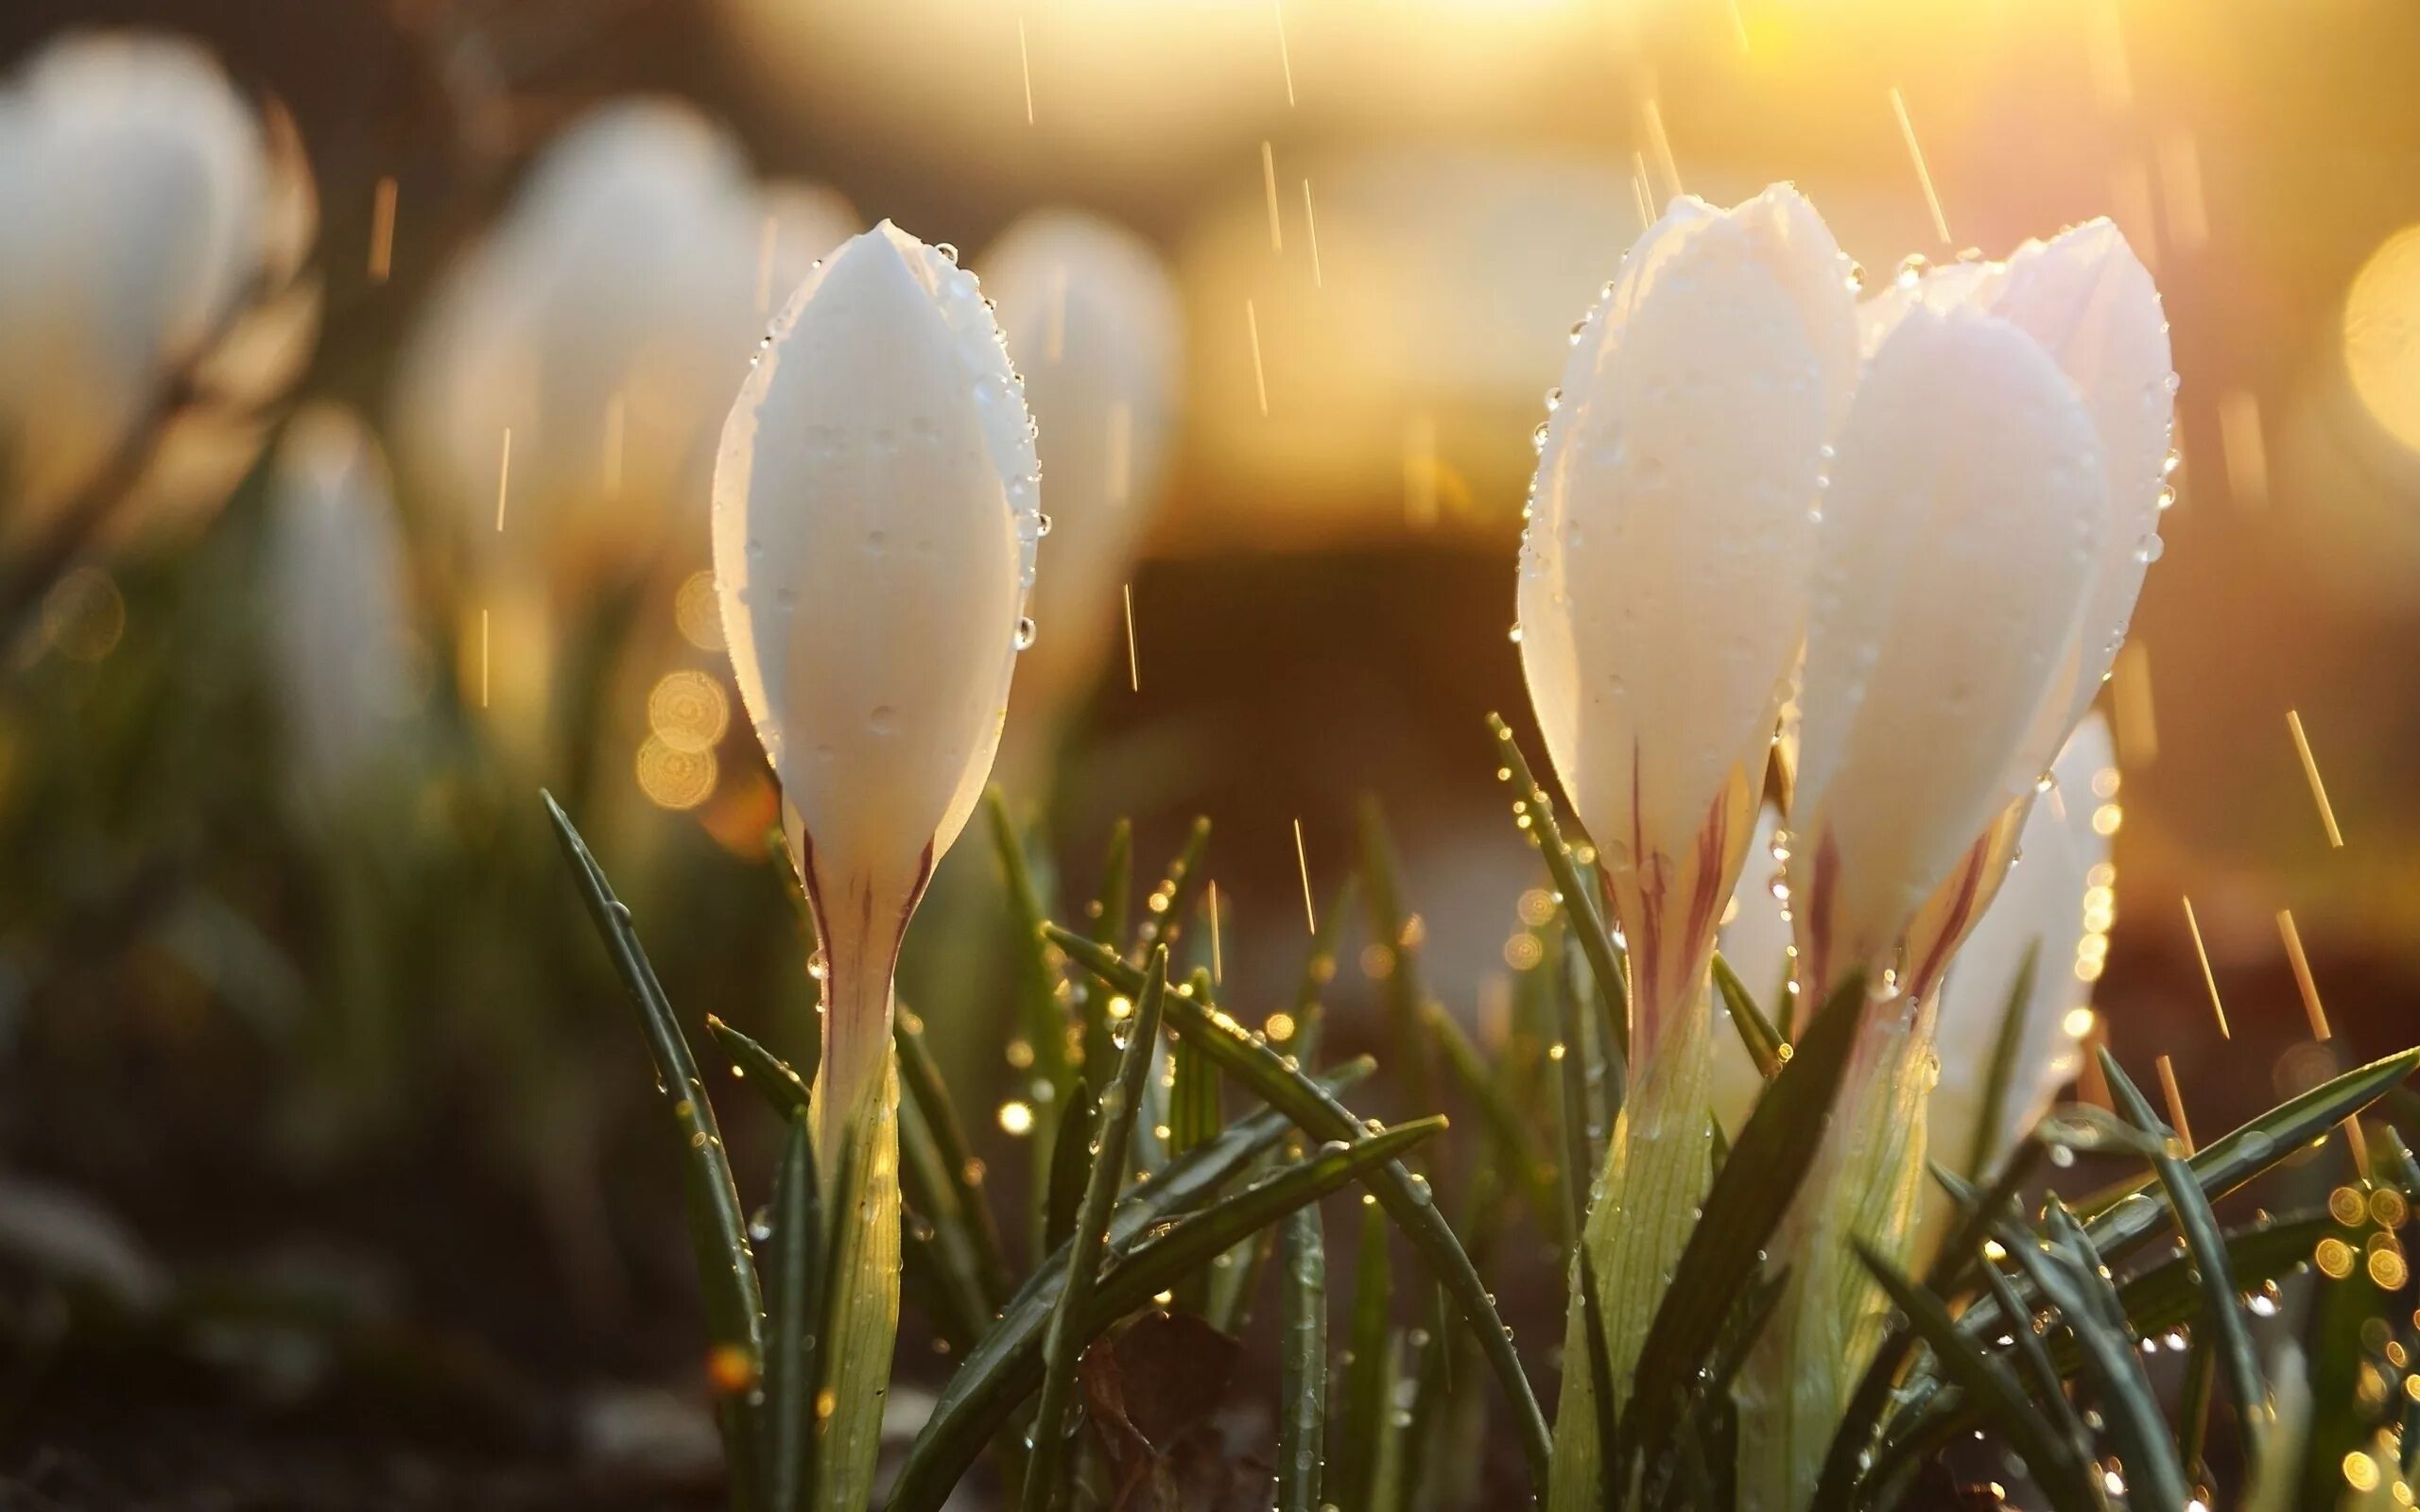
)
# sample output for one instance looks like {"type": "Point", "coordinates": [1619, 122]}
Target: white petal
{"type": "Point", "coordinates": [1961, 535]}
{"type": "Point", "coordinates": [1094, 319]}
{"type": "Point", "coordinates": [874, 525]}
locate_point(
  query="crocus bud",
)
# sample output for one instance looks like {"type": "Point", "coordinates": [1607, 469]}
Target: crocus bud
{"type": "Point", "coordinates": [335, 597]}
{"type": "Point", "coordinates": [151, 215]}
{"type": "Point", "coordinates": [1964, 530]}
{"type": "Point", "coordinates": [1090, 311]}
{"type": "Point", "coordinates": [1663, 576]}
{"type": "Point", "coordinates": [2057, 897]}
{"type": "Point", "coordinates": [877, 506]}
{"type": "Point", "coordinates": [605, 323]}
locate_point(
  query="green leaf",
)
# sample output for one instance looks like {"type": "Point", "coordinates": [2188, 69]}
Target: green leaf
{"type": "Point", "coordinates": [1062, 1345]}
{"type": "Point", "coordinates": [1007, 1365]}
{"type": "Point", "coordinates": [2221, 1321]}
{"type": "Point", "coordinates": [1302, 1364]}
{"type": "Point", "coordinates": [1756, 1031]}
{"type": "Point", "coordinates": [1582, 1154]}
{"type": "Point", "coordinates": [1407, 1198]}
{"type": "Point", "coordinates": [793, 1321]}
{"type": "Point", "coordinates": [2063, 1476]}
{"type": "Point", "coordinates": [1036, 978]}
{"type": "Point", "coordinates": [1768, 1160]}
{"type": "Point", "coordinates": [1405, 994]}
{"type": "Point", "coordinates": [1531, 802]}
{"type": "Point", "coordinates": [1172, 903]}
{"type": "Point", "coordinates": [965, 1302]}
{"type": "Point", "coordinates": [921, 1076]}
{"type": "Point", "coordinates": [1600, 1377]}
{"type": "Point", "coordinates": [2003, 1067]}
{"type": "Point", "coordinates": [1368, 1386]}
{"type": "Point", "coordinates": [718, 1226]}
{"type": "Point", "coordinates": [2070, 1274]}
{"type": "Point", "coordinates": [2139, 1213]}
{"type": "Point", "coordinates": [1071, 1164]}
{"type": "Point", "coordinates": [1533, 1175]}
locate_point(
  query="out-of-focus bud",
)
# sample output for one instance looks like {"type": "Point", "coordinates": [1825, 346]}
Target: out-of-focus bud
{"type": "Point", "coordinates": [2057, 906]}
{"type": "Point", "coordinates": [1089, 310]}
{"type": "Point", "coordinates": [335, 597]}
{"type": "Point", "coordinates": [606, 323]}
{"type": "Point", "coordinates": [876, 509]}
{"type": "Point", "coordinates": [1964, 532]}
{"type": "Point", "coordinates": [1662, 588]}
{"type": "Point", "coordinates": [150, 284]}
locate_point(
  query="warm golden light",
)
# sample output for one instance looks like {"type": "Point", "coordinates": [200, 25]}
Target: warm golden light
{"type": "Point", "coordinates": [2382, 336]}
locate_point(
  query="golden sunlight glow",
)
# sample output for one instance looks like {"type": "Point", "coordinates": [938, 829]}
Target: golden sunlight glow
{"type": "Point", "coordinates": [688, 711]}
{"type": "Point", "coordinates": [674, 779]}
{"type": "Point", "coordinates": [2382, 336]}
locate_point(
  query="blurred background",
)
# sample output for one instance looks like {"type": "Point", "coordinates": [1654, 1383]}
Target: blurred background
{"type": "Point", "coordinates": [361, 363]}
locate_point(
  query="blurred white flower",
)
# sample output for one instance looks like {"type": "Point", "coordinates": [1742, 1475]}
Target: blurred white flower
{"type": "Point", "coordinates": [1663, 584]}
{"type": "Point", "coordinates": [2059, 896]}
{"type": "Point", "coordinates": [876, 509]}
{"type": "Point", "coordinates": [1088, 308]}
{"type": "Point", "coordinates": [149, 276]}
{"type": "Point", "coordinates": [606, 322]}
{"type": "Point", "coordinates": [335, 594]}
{"type": "Point", "coordinates": [1966, 530]}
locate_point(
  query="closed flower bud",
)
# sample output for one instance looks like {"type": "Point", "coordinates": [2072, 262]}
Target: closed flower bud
{"type": "Point", "coordinates": [1091, 315]}
{"type": "Point", "coordinates": [334, 596]}
{"type": "Point", "coordinates": [1663, 577]}
{"type": "Point", "coordinates": [148, 261]}
{"type": "Point", "coordinates": [1964, 532]}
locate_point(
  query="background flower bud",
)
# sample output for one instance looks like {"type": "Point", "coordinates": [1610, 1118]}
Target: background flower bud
{"type": "Point", "coordinates": [1089, 309]}
{"type": "Point", "coordinates": [1962, 534]}
{"type": "Point", "coordinates": [147, 205]}
{"type": "Point", "coordinates": [335, 597]}
{"type": "Point", "coordinates": [1663, 577]}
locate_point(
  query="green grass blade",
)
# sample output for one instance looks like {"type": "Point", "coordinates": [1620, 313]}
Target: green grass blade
{"type": "Point", "coordinates": [718, 1226]}
{"type": "Point", "coordinates": [793, 1320]}
{"type": "Point", "coordinates": [1533, 1175]}
{"type": "Point", "coordinates": [1172, 903]}
{"type": "Point", "coordinates": [925, 1183]}
{"type": "Point", "coordinates": [1006, 1366]}
{"type": "Point", "coordinates": [920, 1077]}
{"type": "Point", "coordinates": [1109, 911]}
{"type": "Point", "coordinates": [2221, 1321]}
{"type": "Point", "coordinates": [1360, 1426]}
{"type": "Point", "coordinates": [1318, 970]}
{"type": "Point", "coordinates": [1064, 1344]}
{"type": "Point", "coordinates": [1407, 1199]}
{"type": "Point", "coordinates": [1582, 1156]}
{"type": "Point", "coordinates": [1601, 1376]}
{"type": "Point", "coordinates": [1756, 1031]}
{"type": "Point", "coordinates": [1036, 979]}
{"type": "Point", "coordinates": [1302, 1365]}
{"type": "Point", "coordinates": [1770, 1160]}
{"type": "Point", "coordinates": [1402, 991]}
{"type": "Point", "coordinates": [1071, 1164]}
{"type": "Point", "coordinates": [2003, 1068]}
{"type": "Point", "coordinates": [784, 1089]}
{"type": "Point", "coordinates": [1531, 802]}
{"type": "Point", "coordinates": [2063, 1476]}
{"type": "Point", "coordinates": [2139, 1213]}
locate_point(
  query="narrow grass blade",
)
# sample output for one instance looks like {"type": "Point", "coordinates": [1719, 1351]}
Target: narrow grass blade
{"type": "Point", "coordinates": [718, 1226]}
{"type": "Point", "coordinates": [2063, 1477]}
{"type": "Point", "coordinates": [919, 1076]}
{"type": "Point", "coordinates": [1063, 1344]}
{"type": "Point", "coordinates": [1406, 1198]}
{"type": "Point", "coordinates": [1581, 1155]}
{"type": "Point", "coordinates": [1318, 970]}
{"type": "Point", "coordinates": [2003, 1068]}
{"type": "Point", "coordinates": [1531, 803]}
{"type": "Point", "coordinates": [793, 1321]}
{"type": "Point", "coordinates": [1601, 1376]}
{"type": "Point", "coordinates": [1071, 1164]}
{"type": "Point", "coordinates": [1768, 1160]}
{"type": "Point", "coordinates": [1361, 1427]}
{"type": "Point", "coordinates": [1172, 903]}
{"type": "Point", "coordinates": [925, 1183]}
{"type": "Point", "coordinates": [2222, 1325]}
{"type": "Point", "coordinates": [1007, 1365]}
{"type": "Point", "coordinates": [2069, 1277]}
{"type": "Point", "coordinates": [1756, 1031]}
{"type": "Point", "coordinates": [1533, 1176]}
{"type": "Point", "coordinates": [2131, 1217]}
{"type": "Point", "coordinates": [1709, 1429]}
{"type": "Point", "coordinates": [784, 1089]}
{"type": "Point", "coordinates": [1036, 978]}
{"type": "Point", "coordinates": [1301, 1362]}
{"type": "Point", "coordinates": [1404, 992]}
{"type": "Point", "coordinates": [1109, 925]}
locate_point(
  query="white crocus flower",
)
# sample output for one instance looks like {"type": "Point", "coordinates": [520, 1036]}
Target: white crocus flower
{"type": "Point", "coordinates": [335, 597]}
{"type": "Point", "coordinates": [1090, 311]}
{"type": "Point", "coordinates": [1662, 600]}
{"type": "Point", "coordinates": [148, 262]}
{"type": "Point", "coordinates": [2058, 896]}
{"type": "Point", "coordinates": [876, 507]}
